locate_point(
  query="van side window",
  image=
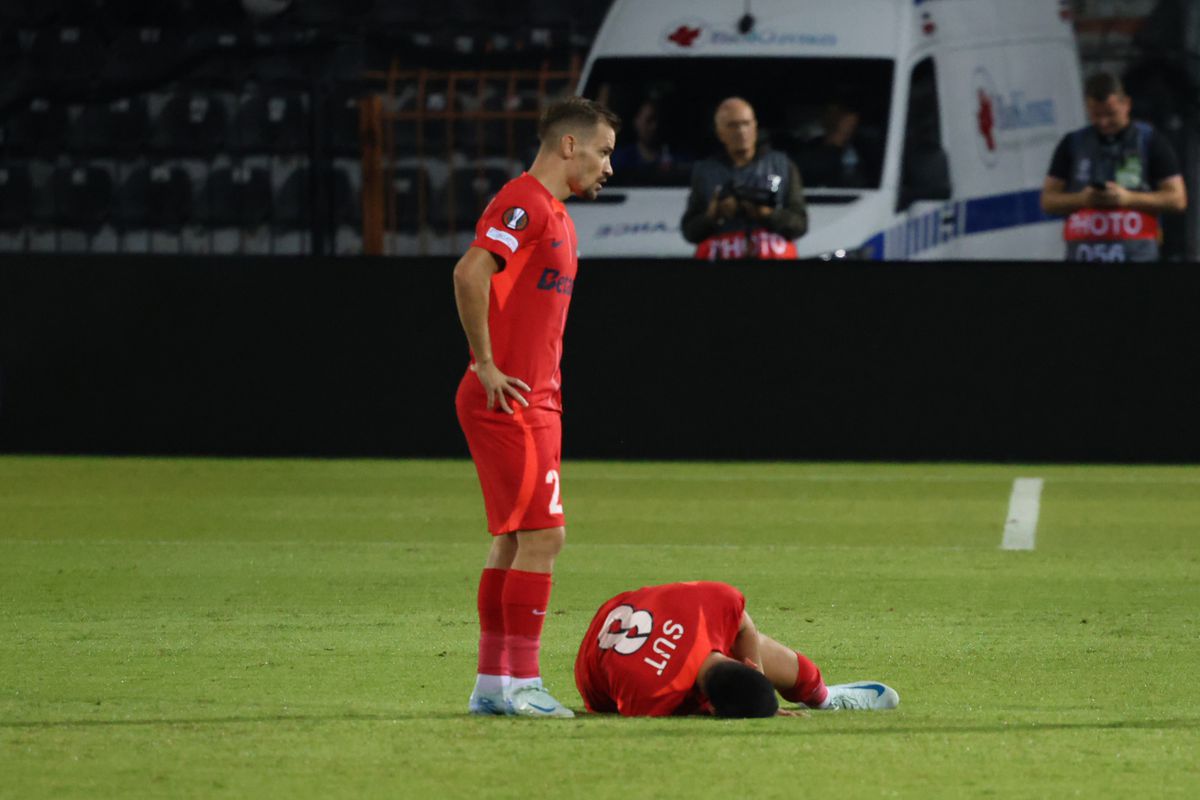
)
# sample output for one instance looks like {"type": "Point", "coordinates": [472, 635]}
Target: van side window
{"type": "Point", "coordinates": [667, 104]}
{"type": "Point", "coordinates": [924, 167]}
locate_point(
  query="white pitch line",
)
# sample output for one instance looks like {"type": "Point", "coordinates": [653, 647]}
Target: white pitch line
{"type": "Point", "coordinates": [1020, 527]}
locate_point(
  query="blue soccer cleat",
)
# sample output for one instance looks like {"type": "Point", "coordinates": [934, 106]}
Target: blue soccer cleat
{"type": "Point", "coordinates": [489, 704]}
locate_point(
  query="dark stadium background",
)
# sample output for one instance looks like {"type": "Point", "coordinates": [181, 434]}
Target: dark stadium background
{"type": "Point", "coordinates": [188, 264]}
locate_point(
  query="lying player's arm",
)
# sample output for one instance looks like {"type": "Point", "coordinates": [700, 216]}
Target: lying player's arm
{"type": "Point", "coordinates": [746, 645]}
{"type": "Point", "coordinates": [472, 292]}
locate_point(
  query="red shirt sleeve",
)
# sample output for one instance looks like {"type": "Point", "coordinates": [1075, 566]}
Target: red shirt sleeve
{"type": "Point", "coordinates": [513, 220]}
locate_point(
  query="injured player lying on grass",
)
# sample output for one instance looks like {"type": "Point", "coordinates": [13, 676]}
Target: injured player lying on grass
{"type": "Point", "coordinates": [691, 648]}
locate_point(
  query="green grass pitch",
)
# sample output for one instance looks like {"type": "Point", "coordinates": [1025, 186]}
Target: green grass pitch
{"type": "Point", "coordinates": [248, 628]}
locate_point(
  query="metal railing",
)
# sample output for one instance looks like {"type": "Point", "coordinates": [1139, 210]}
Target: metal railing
{"type": "Point", "coordinates": [433, 109]}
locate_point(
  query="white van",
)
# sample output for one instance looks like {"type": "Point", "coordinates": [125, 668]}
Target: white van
{"type": "Point", "coordinates": [960, 104]}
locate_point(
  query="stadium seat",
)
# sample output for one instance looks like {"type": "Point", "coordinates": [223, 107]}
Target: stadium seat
{"type": "Point", "coordinates": [394, 18]}
{"type": "Point", "coordinates": [345, 122]}
{"type": "Point", "coordinates": [156, 197]}
{"type": "Point", "coordinates": [475, 135]}
{"type": "Point", "coordinates": [119, 127]}
{"type": "Point", "coordinates": [222, 63]}
{"type": "Point", "coordinates": [427, 136]}
{"type": "Point", "coordinates": [525, 140]}
{"type": "Point", "coordinates": [287, 70]}
{"type": "Point", "coordinates": [272, 122]}
{"type": "Point", "coordinates": [16, 196]}
{"type": "Point", "coordinates": [332, 13]}
{"type": "Point", "coordinates": [467, 193]}
{"type": "Point", "coordinates": [83, 196]}
{"type": "Point", "coordinates": [294, 209]}
{"type": "Point", "coordinates": [142, 53]}
{"type": "Point", "coordinates": [346, 63]}
{"type": "Point", "coordinates": [482, 138]}
{"type": "Point", "coordinates": [408, 186]}
{"type": "Point", "coordinates": [68, 55]}
{"type": "Point", "coordinates": [36, 128]}
{"type": "Point", "coordinates": [192, 123]}
{"type": "Point", "coordinates": [31, 13]}
{"type": "Point", "coordinates": [347, 203]}
{"type": "Point", "coordinates": [467, 15]}
{"type": "Point", "coordinates": [11, 53]}
{"type": "Point", "coordinates": [136, 13]}
{"type": "Point", "coordinates": [12, 13]}
{"type": "Point", "coordinates": [238, 197]}
{"type": "Point", "coordinates": [404, 131]}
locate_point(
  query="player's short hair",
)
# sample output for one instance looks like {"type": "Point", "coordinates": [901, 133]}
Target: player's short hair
{"type": "Point", "coordinates": [575, 113]}
{"type": "Point", "coordinates": [736, 690]}
{"type": "Point", "coordinates": [1102, 86]}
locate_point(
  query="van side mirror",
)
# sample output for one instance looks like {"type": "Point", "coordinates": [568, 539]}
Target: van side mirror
{"type": "Point", "coordinates": [925, 176]}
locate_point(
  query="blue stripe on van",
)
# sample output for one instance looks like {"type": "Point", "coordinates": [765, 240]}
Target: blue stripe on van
{"type": "Point", "coordinates": [1005, 211]}
{"type": "Point", "coordinates": [955, 219]}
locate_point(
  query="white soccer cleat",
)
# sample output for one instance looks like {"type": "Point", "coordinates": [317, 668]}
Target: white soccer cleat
{"type": "Point", "coordinates": [534, 701]}
{"type": "Point", "coordinates": [489, 704]}
{"type": "Point", "coordinates": [863, 696]}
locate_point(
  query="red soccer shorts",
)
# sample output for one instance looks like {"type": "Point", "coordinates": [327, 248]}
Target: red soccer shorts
{"type": "Point", "coordinates": [517, 457]}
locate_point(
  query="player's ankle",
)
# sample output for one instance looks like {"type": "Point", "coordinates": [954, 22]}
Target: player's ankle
{"type": "Point", "coordinates": [491, 684]}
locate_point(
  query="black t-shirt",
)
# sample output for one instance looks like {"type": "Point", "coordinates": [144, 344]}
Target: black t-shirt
{"type": "Point", "coordinates": [1163, 163]}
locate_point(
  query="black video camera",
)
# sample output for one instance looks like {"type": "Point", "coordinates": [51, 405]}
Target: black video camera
{"type": "Point", "coordinates": [758, 190]}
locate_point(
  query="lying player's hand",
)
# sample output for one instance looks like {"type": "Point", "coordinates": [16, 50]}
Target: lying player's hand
{"type": "Point", "coordinates": [791, 712]}
{"type": "Point", "coordinates": [497, 385]}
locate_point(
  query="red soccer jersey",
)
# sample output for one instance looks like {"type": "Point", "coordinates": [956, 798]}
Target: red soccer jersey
{"type": "Point", "coordinates": [643, 650]}
{"type": "Point", "coordinates": [530, 230]}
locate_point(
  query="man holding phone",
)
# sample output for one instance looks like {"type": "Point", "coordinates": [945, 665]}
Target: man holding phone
{"type": "Point", "coordinates": [1112, 179]}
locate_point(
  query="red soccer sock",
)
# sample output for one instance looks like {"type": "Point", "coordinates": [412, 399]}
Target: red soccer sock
{"type": "Point", "coordinates": [810, 688]}
{"type": "Point", "coordinates": [526, 595]}
{"type": "Point", "coordinates": [493, 658]}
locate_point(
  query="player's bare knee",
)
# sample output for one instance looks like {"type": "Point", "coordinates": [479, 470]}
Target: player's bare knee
{"type": "Point", "coordinates": [545, 543]}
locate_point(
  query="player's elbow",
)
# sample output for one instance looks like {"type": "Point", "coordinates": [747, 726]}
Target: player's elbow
{"type": "Point", "coordinates": [461, 272]}
{"type": "Point", "coordinates": [468, 272]}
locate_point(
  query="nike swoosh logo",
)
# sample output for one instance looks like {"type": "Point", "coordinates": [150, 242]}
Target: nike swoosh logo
{"type": "Point", "coordinates": [543, 613]}
{"type": "Point", "coordinates": [541, 708]}
{"type": "Point", "coordinates": [879, 689]}
{"type": "Point", "coordinates": [557, 243]}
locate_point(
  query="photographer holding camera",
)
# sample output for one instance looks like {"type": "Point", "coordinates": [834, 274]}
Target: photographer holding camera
{"type": "Point", "coordinates": [1113, 178]}
{"type": "Point", "coordinates": [747, 203]}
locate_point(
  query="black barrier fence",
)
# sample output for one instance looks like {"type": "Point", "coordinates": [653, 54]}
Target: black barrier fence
{"type": "Point", "coordinates": [664, 359]}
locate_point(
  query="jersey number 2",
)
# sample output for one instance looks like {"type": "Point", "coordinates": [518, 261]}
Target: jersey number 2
{"type": "Point", "coordinates": [555, 505]}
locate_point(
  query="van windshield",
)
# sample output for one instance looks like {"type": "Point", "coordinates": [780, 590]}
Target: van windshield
{"type": "Point", "coordinates": [828, 114]}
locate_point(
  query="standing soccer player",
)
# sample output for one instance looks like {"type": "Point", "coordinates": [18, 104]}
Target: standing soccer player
{"type": "Point", "coordinates": [513, 287]}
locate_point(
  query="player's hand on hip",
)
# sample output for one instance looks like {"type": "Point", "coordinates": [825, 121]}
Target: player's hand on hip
{"type": "Point", "coordinates": [497, 385]}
